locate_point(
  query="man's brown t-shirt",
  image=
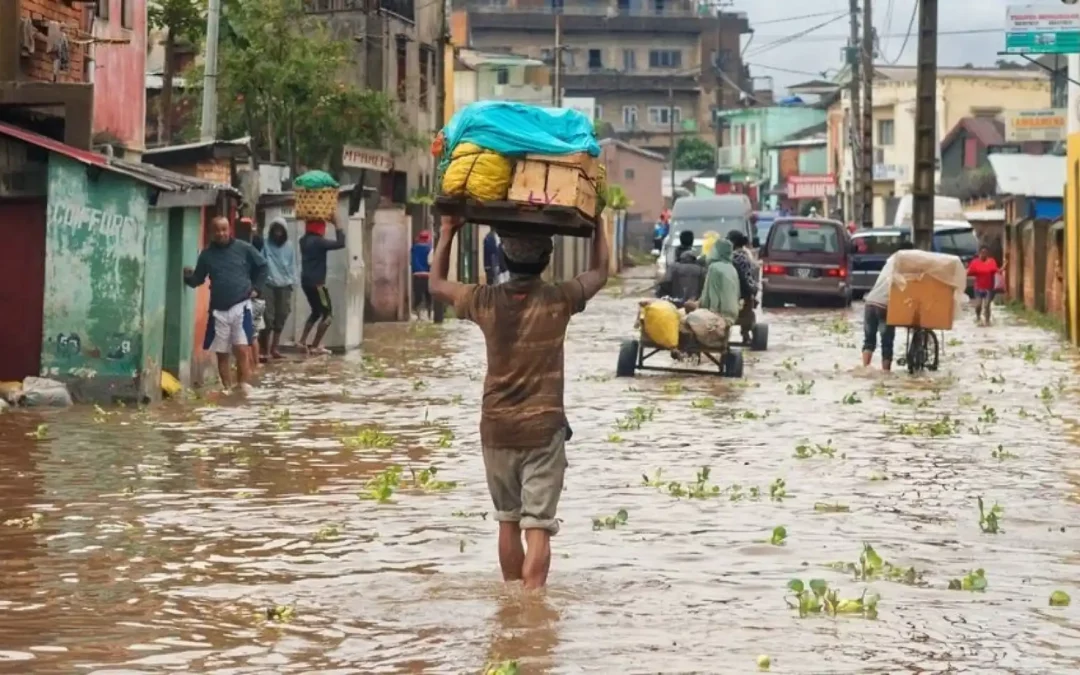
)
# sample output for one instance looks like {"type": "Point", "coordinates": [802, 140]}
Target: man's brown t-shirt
{"type": "Point", "coordinates": [524, 325]}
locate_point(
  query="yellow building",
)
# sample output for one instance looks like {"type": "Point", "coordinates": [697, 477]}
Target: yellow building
{"type": "Point", "coordinates": [961, 92]}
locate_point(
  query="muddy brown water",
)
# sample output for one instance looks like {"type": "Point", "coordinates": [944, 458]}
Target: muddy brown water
{"type": "Point", "coordinates": [164, 535]}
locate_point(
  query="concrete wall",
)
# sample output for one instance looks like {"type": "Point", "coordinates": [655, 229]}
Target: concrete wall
{"type": "Point", "coordinates": [1035, 252]}
{"type": "Point", "coordinates": [120, 75]}
{"type": "Point", "coordinates": [94, 326]}
{"type": "Point", "coordinates": [640, 177]}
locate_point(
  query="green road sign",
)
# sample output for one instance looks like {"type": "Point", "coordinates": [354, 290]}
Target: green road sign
{"type": "Point", "coordinates": [1042, 29]}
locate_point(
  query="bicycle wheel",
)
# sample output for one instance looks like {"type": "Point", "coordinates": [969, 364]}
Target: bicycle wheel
{"type": "Point", "coordinates": [916, 352]}
{"type": "Point", "coordinates": [931, 351]}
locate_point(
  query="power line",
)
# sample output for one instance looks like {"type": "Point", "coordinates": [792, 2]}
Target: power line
{"type": "Point", "coordinates": [910, 26]}
{"type": "Point", "coordinates": [883, 38]}
{"type": "Point", "coordinates": [794, 18]}
{"type": "Point", "coordinates": [845, 38]}
{"type": "Point", "coordinates": [793, 71]}
{"type": "Point", "coordinates": [794, 36]}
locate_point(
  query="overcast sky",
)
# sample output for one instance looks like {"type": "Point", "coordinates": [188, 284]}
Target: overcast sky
{"type": "Point", "coordinates": [774, 25]}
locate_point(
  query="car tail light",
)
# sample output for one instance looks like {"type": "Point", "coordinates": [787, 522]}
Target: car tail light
{"type": "Point", "coordinates": [773, 270]}
{"type": "Point", "coordinates": [837, 272]}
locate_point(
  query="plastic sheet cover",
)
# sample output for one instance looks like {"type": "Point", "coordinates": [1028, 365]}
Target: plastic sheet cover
{"type": "Point", "coordinates": [517, 129]}
{"type": "Point", "coordinates": [905, 266]}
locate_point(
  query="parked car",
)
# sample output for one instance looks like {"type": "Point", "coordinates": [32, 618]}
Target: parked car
{"type": "Point", "coordinates": [871, 248]}
{"type": "Point", "coordinates": [716, 213]}
{"type": "Point", "coordinates": [763, 221]}
{"type": "Point", "coordinates": [806, 259]}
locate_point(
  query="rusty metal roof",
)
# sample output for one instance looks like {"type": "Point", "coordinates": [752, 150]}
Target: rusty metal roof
{"type": "Point", "coordinates": [162, 179]}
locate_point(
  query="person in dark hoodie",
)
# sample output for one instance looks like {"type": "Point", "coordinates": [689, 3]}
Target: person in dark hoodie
{"type": "Point", "coordinates": [235, 270]}
{"type": "Point", "coordinates": [313, 249]}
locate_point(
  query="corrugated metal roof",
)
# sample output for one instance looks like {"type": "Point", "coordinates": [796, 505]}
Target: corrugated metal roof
{"type": "Point", "coordinates": [145, 173]}
{"type": "Point", "coordinates": [244, 142]}
{"type": "Point", "coordinates": [632, 148]}
{"type": "Point", "coordinates": [1029, 175]}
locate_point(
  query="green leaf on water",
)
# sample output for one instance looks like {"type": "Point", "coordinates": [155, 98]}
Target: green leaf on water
{"type": "Point", "coordinates": [1060, 599]}
{"type": "Point", "coordinates": [779, 534]}
{"type": "Point", "coordinates": [819, 587]}
{"type": "Point", "coordinates": [796, 585]}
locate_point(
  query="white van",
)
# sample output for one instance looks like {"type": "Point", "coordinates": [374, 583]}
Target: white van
{"type": "Point", "coordinates": [715, 213]}
{"type": "Point", "coordinates": [946, 209]}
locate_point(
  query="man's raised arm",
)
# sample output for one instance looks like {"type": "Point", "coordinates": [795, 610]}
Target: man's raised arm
{"type": "Point", "coordinates": [448, 292]}
{"type": "Point", "coordinates": [595, 278]}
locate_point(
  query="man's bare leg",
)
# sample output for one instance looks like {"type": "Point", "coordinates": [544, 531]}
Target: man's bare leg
{"type": "Point", "coordinates": [320, 334]}
{"type": "Point", "coordinates": [537, 558]}
{"type": "Point", "coordinates": [511, 551]}
{"type": "Point", "coordinates": [224, 372]}
{"type": "Point", "coordinates": [308, 325]}
{"type": "Point", "coordinates": [243, 363]}
{"type": "Point", "coordinates": [275, 340]}
{"type": "Point", "coordinates": [867, 357]}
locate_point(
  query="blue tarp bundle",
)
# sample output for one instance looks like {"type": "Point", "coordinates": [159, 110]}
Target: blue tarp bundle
{"type": "Point", "coordinates": [516, 129]}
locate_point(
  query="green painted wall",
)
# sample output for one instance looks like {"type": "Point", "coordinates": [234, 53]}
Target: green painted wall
{"type": "Point", "coordinates": [183, 234]}
{"type": "Point", "coordinates": [153, 310]}
{"type": "Point", "coordinates": [94, 268]}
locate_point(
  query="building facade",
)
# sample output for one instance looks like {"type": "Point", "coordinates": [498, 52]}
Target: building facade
{"type": "Point", "coordinates": [961, 92]}
{"type": "Point", "coordinates": [116, 66]}
{"type": "Point", "coordinates": [393, 51]}
{"type": "Point", "coordinates": [650, 66]}
{"type": "Point", "coordinates": [640, 174]}
{"type": "Point", "coordinates": [743, 161]}
{"type": "Point", "coordinates": [482, 76]}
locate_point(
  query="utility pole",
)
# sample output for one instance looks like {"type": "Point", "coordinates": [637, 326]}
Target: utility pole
{"type": "Point", "coordinates": [671, 137]}
{"type": "Point", "coordinates": [209, 97]}
{"type": "Point", "coordinates": [922, 188]}
{"type": "Point", "coordinates": [556, 91]}
{"type": "Point", "coordinates": [854, 118]}
{"type": "Point", "coordinates": [441, 45]}
{"type": "Point", "coordinates": [866, 218]}
{"type": "Point", "coordinates": [718, 119]}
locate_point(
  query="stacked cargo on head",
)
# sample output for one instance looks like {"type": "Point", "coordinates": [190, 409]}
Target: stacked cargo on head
{"type": "Point", "coordinates": [316, 194]}
{"type": "Point", "coordinates": [521, 169]}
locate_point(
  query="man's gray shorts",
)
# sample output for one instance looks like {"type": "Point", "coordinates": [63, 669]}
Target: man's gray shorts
{"type": "Point", "coordinates": [525, 485]}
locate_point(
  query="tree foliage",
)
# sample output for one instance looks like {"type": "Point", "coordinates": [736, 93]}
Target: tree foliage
{"type": "Point", "coordinates": [970, 184]}
{"type": "Point", "coordinates": [281, 79]}
{"type": "Point", "coordinates": [184, 19]}
{"type": "Point", "coordinates": [695, 154]}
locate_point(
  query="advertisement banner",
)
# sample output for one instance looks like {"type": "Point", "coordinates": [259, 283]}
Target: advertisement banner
{"type": "Point", "coordinates": [1035, 125]}
{"type": "Point", "coordinates": [1042, 29]}
{"type": "Point", "coordinates": [811, 187]}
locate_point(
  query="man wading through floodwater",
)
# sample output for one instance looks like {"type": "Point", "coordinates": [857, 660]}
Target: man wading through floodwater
{"type": "Point", "coordinates": [523, 427]}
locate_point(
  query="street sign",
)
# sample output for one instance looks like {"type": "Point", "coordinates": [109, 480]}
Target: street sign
{"type": "Point", "coordinates": [1035, 125]}
{"type": "Point", "coordinates": [353, 157]}
{"type": "Point", "coordinates": [1042, 29]}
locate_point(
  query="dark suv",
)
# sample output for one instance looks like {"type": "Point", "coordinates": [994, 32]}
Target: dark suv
{"type": "Point", "coordinates": [871, 248]}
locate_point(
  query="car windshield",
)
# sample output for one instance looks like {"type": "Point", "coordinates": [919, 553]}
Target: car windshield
{"type": "Point", "coordinates": [957, 242]}
{"type": "Point", "coordinates": [805, 237]}
{"type": "Point", "coordinates": [763, 227]}
{"type": "Point", "coordinates": [699, 226]}
{"type": "Point", "coordinates": [883, 243]}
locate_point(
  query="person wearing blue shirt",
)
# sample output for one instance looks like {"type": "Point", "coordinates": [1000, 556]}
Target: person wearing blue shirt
{"type": "Point", "coordinates": [421, 270]}
{"type": "Point", "coordinates": [661, 230]}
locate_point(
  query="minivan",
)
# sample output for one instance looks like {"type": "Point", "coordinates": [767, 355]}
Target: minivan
{"type": "Point", "coordinates": [871, 248]}
{"type": "Point", "coordinates": [715, 213]}
{"type": "Point", "coordinates": [806, 259]}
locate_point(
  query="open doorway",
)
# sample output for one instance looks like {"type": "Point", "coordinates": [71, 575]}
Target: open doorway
{"type": "Point", "coordinates": [174, 353]}
{"type": "Point", "coordinates": [22, 303]}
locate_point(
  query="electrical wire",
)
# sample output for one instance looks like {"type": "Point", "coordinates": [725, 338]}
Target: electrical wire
{"type": "Point", "coordinates": [883, 36]}
{"type": "Point", "coordinates": [845, 38]}
{"type": "Point", "coordinates": [910, 26]}
{"type": "Point", "coordinates": [794, 18]}
{"type": "Point", "coordinates": [793, 71]}
{"type": "Point", "coordinates": [794, 36]}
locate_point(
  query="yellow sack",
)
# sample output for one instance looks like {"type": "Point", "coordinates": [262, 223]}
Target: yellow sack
{"type": "Point", "coordinates": [709, 240]}
{"type": "Point", "coordinates": [169, 384]}
{"type": "Point", "coordinates": [660, 320]}
{"type": "Point", "coordinates": [478, 173]}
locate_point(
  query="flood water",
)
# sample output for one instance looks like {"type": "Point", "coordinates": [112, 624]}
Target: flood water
{"type": "Point", "coordinates": [165, 537]}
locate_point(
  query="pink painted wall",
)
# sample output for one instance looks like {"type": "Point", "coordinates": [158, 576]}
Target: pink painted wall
{"type": "Point", "coordinates": [120, 74]}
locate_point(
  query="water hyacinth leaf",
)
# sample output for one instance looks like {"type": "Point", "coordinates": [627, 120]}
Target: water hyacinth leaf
{"type": "Point", "coordinates": [622, 516]}
{"type": "Point", "coordinates": [779, 534]}
{"type": "Point", "coordinates": [796, 585]}
{"type": "Point", "coordinates": [819, 587]}
{"type": "Point", "coordinates": [1060, 599]}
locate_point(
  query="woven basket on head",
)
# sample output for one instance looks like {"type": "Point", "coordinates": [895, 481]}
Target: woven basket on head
{"type": "Point", "coordinates": [316, 204]}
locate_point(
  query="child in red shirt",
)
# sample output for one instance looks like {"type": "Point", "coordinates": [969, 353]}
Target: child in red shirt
{"type": "Point", "coordinates": [984, 269]}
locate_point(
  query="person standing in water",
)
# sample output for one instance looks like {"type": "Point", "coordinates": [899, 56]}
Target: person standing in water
{"type": "Point", "coordinates": [281, 278]}
{"type": "Point", "coordinates": [313, 249]}
{"type": "Point", "coordinates": [421, 270]}
{"type": "Point", "coordinates": [985, 270]}
{"type": "Point", "coordinates": [523, 425]}
{"type": "Point", "coordinates": [235, 270]}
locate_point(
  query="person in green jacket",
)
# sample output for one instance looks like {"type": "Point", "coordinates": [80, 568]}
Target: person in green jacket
{"type": "Point", "coordinates": [721, 294]}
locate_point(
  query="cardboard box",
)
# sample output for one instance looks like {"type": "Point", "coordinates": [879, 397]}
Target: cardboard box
{"type": "Point", "coordinates": [564, 180]}
{"type": "Point", "coordinates": [924, 303]}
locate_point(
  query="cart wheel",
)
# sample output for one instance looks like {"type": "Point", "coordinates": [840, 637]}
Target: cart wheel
{"type": "Point", "coordinates": [759, 337]}
{"type": "Point", "coordinates": [733, 364]}
{"type": "Point", "coordinates": [628, 356]}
